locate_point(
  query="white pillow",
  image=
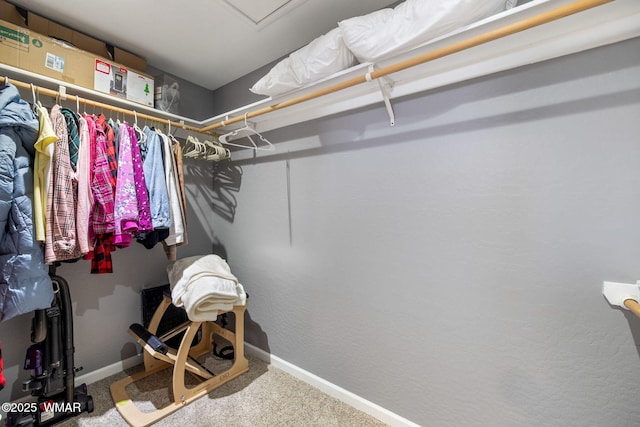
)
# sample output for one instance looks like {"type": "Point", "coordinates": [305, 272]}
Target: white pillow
{"type": "Point", "coordinates": [387, 32]}
{"type": "Point", "coordinates": [322, 57]}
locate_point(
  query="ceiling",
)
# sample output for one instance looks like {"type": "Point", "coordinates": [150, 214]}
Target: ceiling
{"type": "Point", "coordinates": [206, 42]}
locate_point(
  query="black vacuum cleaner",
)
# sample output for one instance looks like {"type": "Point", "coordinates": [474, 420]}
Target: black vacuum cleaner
{"type": "Point", "coordinates": [50, 358]}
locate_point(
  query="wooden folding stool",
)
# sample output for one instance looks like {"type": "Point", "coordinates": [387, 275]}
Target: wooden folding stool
{"type": "Point", "coordinates": [158, 356]}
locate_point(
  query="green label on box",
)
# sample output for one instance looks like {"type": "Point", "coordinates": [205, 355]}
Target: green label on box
{"type": "Point", "coordinates": [17, 36]}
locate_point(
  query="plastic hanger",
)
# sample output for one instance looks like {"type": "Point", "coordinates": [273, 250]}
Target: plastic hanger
{"type": "Point", "coordinates": [246, 131]}
{"type": "Point", "coordinates": [170, 135]}
{"type": "Point", "coordinates": [139, 133]}
{"type": "Point", "coordinates": [208, 150]}
{"type": "Point", "coordinates": [33, 93]}
{"type": "Point", "coordinates": [215, 151]}
{"type": "Point", "coordinates": [193, 148]}
{"type": "Point", "coordinates": [173, 140]}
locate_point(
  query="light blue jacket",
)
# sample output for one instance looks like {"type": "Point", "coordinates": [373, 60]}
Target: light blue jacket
{"type": "Point", "coordinates": [25, 284]}
{"type": "Point", "coordinates": [153, 166]}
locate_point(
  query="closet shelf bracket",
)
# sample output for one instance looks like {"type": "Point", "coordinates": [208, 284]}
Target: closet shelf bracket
{"type": "Point", "coordinates": [385, 90]}
{"type": "Point", "coordinates": [624, 295]}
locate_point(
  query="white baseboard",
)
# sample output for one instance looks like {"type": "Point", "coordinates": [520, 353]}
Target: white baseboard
{"type": "Point", "coordinates": [114, 368]}
{"type": "Point", "coordinates": [97, 375]}
{"type": "Point", "coordinates": [331, 389]}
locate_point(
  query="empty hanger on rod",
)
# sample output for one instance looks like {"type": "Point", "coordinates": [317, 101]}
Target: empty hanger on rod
{"type": "Point", "coordinates": [246, 131]}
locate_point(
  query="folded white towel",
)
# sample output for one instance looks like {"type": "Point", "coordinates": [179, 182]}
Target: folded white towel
{"type": "Point", "coordinates": [204, 286]}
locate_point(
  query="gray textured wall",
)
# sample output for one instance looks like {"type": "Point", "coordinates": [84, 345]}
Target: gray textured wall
{"type": "Point", "coordinates": [450, 269]}
{"type": "Point", "coordinates": [195, 102]}
{"type": "Point", "coordinates": [237, 94]}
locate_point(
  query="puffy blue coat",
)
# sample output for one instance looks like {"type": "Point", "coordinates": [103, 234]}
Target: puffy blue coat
{"type": "Point", "coordinates": [25, 284]}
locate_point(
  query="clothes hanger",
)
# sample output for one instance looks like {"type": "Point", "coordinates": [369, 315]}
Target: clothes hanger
{"type": "Point", "coordinates": [36, 96]}
{"type": "Point", "coordinates": [173, 139]}
{"type": "Point", "coordinates": [156, 129]}
{"type": "Point", "coordinates": [193, 148]}
{"type": "Point", "coordinates": [208, 150]}
{"type": "Point", "coordinates": [142, 137]}
{"type": "Point", "coordinates": [246, 131]}
{"type": "Point", "coordinates": [215, 151]}
{"type": "Point", "coordinates": [33, 93]}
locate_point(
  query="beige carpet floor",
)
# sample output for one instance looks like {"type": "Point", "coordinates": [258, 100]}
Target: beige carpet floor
{"type": "Point", "coordinates": [263, 396]}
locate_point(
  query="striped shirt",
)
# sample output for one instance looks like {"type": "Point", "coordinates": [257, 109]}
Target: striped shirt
{"type": "Point", "coordinates": [60, 238]}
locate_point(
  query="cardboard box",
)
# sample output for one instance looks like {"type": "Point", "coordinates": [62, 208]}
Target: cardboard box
{"type": "Point", "coordinates": [140, 88]}
{"type": "Point", "coordinates": [52, 29]}
{"type": "Point", "coordinates": [89, 44]}
{"type": "Point", "coordinates": [81, 41]}
{"type": "Point", "coordinates": [44, 26]}
{"type": "Point", "coordinates": [31, 51]}
{"type": "Point", "coordinates": [28, 50]}
{"type": "Point", "coordinates": [10, 13]}
{"type": "Point", "coordinates": [117, 80]}
{"type": "Point", "coordinates": [129, 59]}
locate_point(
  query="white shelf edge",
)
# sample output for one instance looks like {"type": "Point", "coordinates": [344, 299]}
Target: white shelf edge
{"type": "Point", "coordinates": [606, 24]}
{"type": "Point", "coordinates": [612, 22]}
{"type": "Point", "coordinates": [49, 82]}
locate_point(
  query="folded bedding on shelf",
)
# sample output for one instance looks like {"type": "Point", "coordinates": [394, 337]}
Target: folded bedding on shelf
{"type": "Point", "coordinates": [387, 32]}
{"type": "Point", "coordinates": [204, 286]}
{"type": "Point", "coordinates": [322, 57]}
{"type": "Point", "coordinates": [373, 37]}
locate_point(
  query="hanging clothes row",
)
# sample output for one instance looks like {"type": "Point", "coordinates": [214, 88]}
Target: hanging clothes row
{"type": "Point", "coordinates": [100, 184]}
{"type": "Point", "coordinates": [212, 148]}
